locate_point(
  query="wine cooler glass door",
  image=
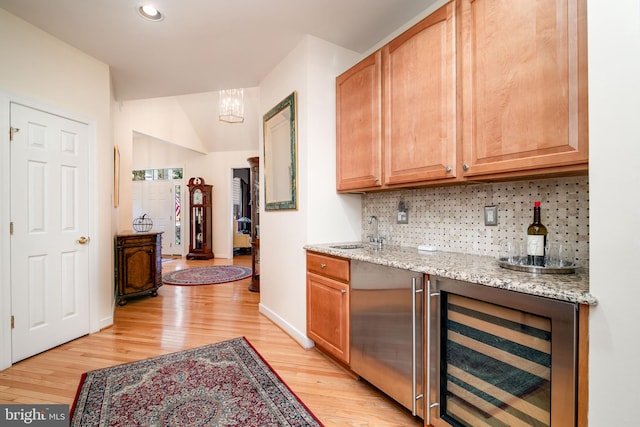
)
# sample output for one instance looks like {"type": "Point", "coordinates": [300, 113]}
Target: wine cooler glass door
{"type": "Point", "coordinates": [496, 364]}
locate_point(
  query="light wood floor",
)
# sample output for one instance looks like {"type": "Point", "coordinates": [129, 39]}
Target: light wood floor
{"type": "Point", "coordinates": [183, 317]}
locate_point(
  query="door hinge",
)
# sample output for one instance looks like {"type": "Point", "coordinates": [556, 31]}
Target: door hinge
{"type": "Point", "coordinates": [12, 131]}
{"type": "Point", "coordinates": [13, 324]}
{"type": "Point", "coordinates": [11, 228]}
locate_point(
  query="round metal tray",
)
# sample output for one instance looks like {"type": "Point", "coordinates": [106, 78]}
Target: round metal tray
{"type": "Point", "coordinates": [536, 269]}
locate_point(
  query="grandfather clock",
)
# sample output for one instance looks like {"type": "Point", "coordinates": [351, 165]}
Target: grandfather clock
{"type": "Point", "coordinates": [200, 244]}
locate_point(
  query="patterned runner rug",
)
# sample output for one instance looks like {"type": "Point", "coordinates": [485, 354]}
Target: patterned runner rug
{"type": "Point", "coordinates": [206, 275]}
{"type": "Point", "coordinates": [224, 384]}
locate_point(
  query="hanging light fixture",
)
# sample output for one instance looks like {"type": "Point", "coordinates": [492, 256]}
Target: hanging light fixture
{"type": "Point", "coordinates": [232, 105]}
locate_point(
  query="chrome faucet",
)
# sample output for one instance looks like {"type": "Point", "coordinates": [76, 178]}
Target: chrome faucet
{"type": "Point", "coordinates": [375, 240]}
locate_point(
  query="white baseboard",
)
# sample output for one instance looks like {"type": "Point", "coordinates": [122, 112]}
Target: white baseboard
{"type": "Point", "coordinates": [298, 336]}
{"type": "Point", "coordinates": [105, 323]}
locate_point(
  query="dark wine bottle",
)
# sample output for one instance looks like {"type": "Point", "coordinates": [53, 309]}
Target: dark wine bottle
{"type": "Point", "coordinates": [536, 239]}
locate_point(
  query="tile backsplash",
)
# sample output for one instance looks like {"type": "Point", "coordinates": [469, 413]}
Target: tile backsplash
{"type": "Point", "coordinates": [452, 218]}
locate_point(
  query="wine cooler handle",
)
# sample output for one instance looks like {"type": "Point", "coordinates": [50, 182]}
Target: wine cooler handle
{"type": "Point", "coordinates": [431, 351]}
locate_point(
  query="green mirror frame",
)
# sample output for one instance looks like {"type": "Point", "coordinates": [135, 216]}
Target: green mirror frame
{"type": "Point", "coordinates": [280, 155]}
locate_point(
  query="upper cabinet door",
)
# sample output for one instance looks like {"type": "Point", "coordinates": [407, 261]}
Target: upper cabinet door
{"type": "Point", "coordinates": [359, 126]}
{"type": "Point", "coordinates": [420, 101]}
{"type": "Point", "coordinates": [524, 86]}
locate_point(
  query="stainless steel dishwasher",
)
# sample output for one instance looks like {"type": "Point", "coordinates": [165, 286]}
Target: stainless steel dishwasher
{"type": "Point", "coordinates": [387, 310]}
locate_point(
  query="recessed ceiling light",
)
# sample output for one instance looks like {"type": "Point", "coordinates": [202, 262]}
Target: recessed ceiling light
{"type": "Point", "coordinates": [151, 13]}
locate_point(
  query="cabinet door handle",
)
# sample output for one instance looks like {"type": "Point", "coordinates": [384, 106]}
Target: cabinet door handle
{"type": "Point", "coordinates": [447, 169]}
{"type": "Point", "coordinates": [465, 167]}
{"type": "Point", "coordinates": [323, 265]}
{"type": "Point", "coordinates": [342, 291]}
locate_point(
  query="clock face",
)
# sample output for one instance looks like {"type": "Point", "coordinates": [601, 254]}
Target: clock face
{"type": "Point", "coordinates": [197, 197]}
{"type": "Point", "coordinates": [197, 181]}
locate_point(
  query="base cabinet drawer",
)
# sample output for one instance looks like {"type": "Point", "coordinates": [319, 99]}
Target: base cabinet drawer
{"type": "Point", "coordinates": [325, 265]}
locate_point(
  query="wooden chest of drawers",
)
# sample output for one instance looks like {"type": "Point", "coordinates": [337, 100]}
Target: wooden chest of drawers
{"type": "Point", "coordinates": [138, 265]}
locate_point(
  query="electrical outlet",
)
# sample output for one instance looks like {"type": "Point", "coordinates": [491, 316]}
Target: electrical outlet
{"type": "Point", "coordinates": [490, 215]}
{"type": "Point", "coordinates": [403, 213]}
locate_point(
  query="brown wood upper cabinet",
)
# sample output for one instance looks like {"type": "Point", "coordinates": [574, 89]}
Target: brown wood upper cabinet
{"type": "Point", "coordinates": [417, 71]}
{"type": "Point", "coordinates": [523, 86]}
{"type": "Point", "coordinates": [478, 90]}
{"type": "Point", "coordinates": [420, 101]}
{"type": "Point", "coordinates": [359, 125]}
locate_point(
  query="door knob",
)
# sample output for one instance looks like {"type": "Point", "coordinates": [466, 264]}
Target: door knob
{"type": "Point", "coordinates": [83, 240]}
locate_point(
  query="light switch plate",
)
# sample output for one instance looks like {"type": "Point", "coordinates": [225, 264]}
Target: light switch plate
{"type": "Point", "coordinates": [490, 215]}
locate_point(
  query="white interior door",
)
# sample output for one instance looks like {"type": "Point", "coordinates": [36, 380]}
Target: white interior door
{"type": "Point", "coordinates": [50, 219]}
{"type": "Point", "coordinates": [156, 199]}
{"type": "Point", "coordinates": [161, 204]}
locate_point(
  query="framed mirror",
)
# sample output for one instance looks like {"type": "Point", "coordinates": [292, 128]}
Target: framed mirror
{"type": "Point", "coordinates": [280, 155]}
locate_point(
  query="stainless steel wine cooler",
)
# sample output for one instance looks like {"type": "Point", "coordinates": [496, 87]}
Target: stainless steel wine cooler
{"type": "Point", "coordinates": [499, 358]}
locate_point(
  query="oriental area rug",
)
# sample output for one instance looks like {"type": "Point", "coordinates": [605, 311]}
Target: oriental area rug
{"type": "Point", "coordinates": [224, 384]}
{"type": "Point", "coordinates": [206, 275]}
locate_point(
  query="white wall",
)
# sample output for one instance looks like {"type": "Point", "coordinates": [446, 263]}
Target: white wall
{"type": "Point", "coordinates": [331, 217]}
{"type": "Point", "coordinates": [165, 119]}
{"type": "Point", "coordinates": [322, 215]}
{"type": "Point", "coordinates": [43, 70]}
{"type": "Point", "coordinates": [614, 177]}
{"type": "Point", "coordinates": [217, 170]}
{"type": "Point", "coordinates": [152, 153]}
{"type": "Point", "coordinates": [160, 118]}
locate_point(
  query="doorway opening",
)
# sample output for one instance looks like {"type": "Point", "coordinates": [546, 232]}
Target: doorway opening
{"type": "Point", "coordinates": [158, 195]}
{"type": "Point", "coordinates": [241, 225]}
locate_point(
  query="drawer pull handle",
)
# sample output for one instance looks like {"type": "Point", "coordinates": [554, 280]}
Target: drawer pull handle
{"type": "Point", "coordinates": [323, 265]}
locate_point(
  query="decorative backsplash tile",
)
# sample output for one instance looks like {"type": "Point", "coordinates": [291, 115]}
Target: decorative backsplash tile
{"type": "Point", "coordinates": [452, 218]}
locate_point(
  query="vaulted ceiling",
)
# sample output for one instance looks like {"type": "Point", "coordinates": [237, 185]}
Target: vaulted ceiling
{"type": "Point", "coordinates": [207, 45]}
{"type": "Point", "coordinates": [203, 46]}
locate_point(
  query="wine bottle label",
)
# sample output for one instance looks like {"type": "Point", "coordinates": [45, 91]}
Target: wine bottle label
{"type": "Point", "coordinates": [535, 245]}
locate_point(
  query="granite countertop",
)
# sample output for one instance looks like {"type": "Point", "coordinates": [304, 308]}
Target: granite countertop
{"type": "Point", "coordinates": [478, 269]}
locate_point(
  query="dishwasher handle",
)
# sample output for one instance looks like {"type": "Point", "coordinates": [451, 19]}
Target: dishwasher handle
{"type": "Point", "coordinates": [417, 294]}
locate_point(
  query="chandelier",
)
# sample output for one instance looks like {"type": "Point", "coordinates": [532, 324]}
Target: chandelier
{"type": "Point", "coordinates": [232, 105]}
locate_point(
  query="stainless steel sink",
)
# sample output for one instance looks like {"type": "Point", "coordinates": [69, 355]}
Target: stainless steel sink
{"type": "Point", "coordinates": [348, 246]}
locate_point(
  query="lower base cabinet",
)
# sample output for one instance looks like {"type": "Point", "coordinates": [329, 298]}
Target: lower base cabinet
{"type": "Point", "coordinates": [138, 265]}
{"type": "Point", "coordinates": [328, 293]}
